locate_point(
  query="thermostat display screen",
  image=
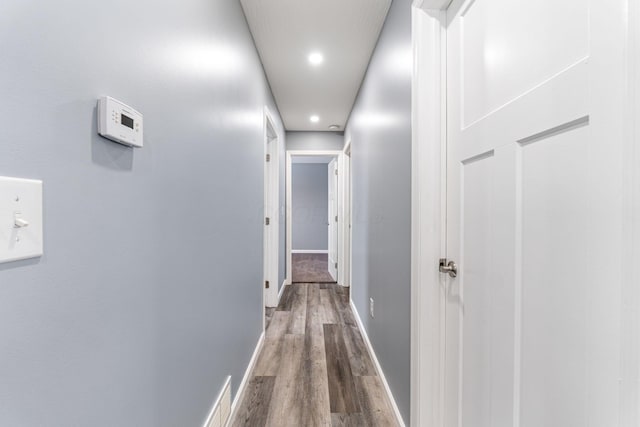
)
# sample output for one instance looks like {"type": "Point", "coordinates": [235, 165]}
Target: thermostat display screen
{"type": "Point", "coordinates": [126, 121]}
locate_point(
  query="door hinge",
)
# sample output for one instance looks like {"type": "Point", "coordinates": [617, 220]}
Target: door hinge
{"type": "Point", "coordinates": [336, 218]}
{"type": "Point", "coordinates": [266, 284]}
{"type": "Point", "coordinates": [336, 264]}
{"type": "Point", "coordinates": [268, 157]}
{"type": "Point", "coordinates": [267, 221]}
{"type": "Point", "coordinates": [336, 171]}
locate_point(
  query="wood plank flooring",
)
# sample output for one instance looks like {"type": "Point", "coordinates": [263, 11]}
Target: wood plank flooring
{"type": "Point", "coordinates": [310, 268]}
{"type": "Point", "coordinates": [314, 368]}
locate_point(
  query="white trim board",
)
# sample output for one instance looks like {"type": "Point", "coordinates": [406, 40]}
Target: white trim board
{"type": "Point", "coordinates": [345, 207]}
{"type": "Point", "coordinates": [245, 380]}
{"type": "Point", "coordinates": [271, 233]}
{"type": "Point", "coordinates": [376, 363]}
{"type": "Point", "coordinates": [630, 382]}
{"type": "Point", "coordinates": [428, 123]}
{"type": "Point", "coordinates": [309, 251]}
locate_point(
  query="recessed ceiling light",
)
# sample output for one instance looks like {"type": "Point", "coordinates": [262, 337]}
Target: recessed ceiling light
{"type": "Point", "coordinates": [334, 127]}
{"type": "Point", "coordinates": [316, 58]}
{"type": "Point", "coordinates": [314, 119]}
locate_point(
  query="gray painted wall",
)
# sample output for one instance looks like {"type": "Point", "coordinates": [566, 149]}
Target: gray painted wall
{"type": "Point", "coordinates": [380, 131]}
{"type": "Point", "coordinates": [310, 206]}
{"type": "Point", "coordinates": [315, 140]}
{"type": "Point", "coordinates": [134, 316]}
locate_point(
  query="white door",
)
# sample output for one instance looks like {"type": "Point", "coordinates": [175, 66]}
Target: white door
{"type": "Point", "coordinates": [333, 218]}
{"type": "Point", "coordinates": [535, 97]}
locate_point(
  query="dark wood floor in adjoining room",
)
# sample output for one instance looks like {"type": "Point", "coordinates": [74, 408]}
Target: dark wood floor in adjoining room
{"type": "Point", "coordinates": [314, 368]}
{"type": "Point", "coordinates": [310, 268]}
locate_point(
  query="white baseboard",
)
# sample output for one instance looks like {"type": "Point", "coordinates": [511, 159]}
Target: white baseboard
{"type": "Point", "coordinates": [396, 411]}
{"type": "Point", "coordinates": [309, 251]}
{"type": "Point", "coordinates": [245, 379]}
{"type": "Point", "coordinates": [284, 283]}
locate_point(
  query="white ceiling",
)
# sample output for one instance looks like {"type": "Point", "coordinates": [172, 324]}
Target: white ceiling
{"type": "Point", "coordinates": [287, 31]}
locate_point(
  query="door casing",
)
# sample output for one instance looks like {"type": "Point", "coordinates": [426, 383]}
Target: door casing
{"type": "Point", "coordinates": [344, 252]}
{"type": "Point", "coordinates": [289, 214]}
{"type": "Point", "coordinates": [271, 211]}
{"type": "Point", "coordinates": [428, 213]}
{"type": "Point", "coordinates": [334, 207]}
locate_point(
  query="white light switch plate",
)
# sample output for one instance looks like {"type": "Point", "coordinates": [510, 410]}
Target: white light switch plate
{"type": "Point", "coordinates": [20, 219]}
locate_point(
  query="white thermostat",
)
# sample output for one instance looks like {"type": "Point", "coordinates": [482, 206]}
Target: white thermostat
{"type": "Point", "coordinates": [119, 122]}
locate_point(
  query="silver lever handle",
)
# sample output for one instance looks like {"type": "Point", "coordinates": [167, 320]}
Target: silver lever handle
{"type": "Point", "coordinates": [448, 267]}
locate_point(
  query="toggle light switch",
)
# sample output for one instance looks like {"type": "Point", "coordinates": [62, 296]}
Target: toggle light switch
{"type": "Point", "coordinates": [19, 222]}
{"type": "Point", "coordinates": [21, 227]}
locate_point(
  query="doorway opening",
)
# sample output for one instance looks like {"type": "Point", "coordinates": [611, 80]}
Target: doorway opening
{"type": "Point", "coordinates": [315, 217]}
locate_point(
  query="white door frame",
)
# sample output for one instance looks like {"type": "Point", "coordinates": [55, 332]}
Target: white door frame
{"type": "Point", "coordinates": [334, 205]}
{"type": "Point", "coordinates": [630, 389]}
{"type": "Point", "coordinates": [344, 239]}
{"type": "Point", "coordinates": [290, 154]}
{"type": "Point", "coordinates": [429, 215]}
{"type": "Point", "coordinates": [428, 206]}
{"type": "Point", "coordinates": [271, 210]}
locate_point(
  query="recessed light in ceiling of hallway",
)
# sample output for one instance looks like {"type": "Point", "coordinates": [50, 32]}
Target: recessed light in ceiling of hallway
{"type": "Point", "coordinates": [315, 55]}
{"type": "Point", "coordinates": [316, 58]}
{"type": "Point", "coordinates": [314, 119]}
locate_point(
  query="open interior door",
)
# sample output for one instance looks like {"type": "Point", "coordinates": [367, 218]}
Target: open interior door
{"type": "Point", "coordinates": [535, 161]}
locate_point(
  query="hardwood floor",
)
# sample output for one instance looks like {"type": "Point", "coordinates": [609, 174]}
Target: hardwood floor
{"type": "Point", "coordinates": [268, 315]}
{"type": "Point", "coordinates": [314, 368]}
{"type": "Point", "coordinates": [310, 268]}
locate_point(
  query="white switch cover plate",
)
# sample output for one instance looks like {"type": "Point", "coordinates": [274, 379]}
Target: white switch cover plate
{"type": "Point", "coordinates": [20, 219]}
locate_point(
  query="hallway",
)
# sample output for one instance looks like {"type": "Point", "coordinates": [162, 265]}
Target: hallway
{"type": "Point", "coordinates": [314, 368]}
{"type": "Point", "coordinates": [435, 202]}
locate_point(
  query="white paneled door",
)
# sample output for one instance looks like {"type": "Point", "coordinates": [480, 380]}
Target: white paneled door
{"type": "Point", "coordinates": [535, 124]}
{"type": "Point", "coordinates": [333, 218]}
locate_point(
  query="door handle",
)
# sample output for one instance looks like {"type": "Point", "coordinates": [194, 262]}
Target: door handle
{"type": "Point", "coordinates": [448, 267]}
